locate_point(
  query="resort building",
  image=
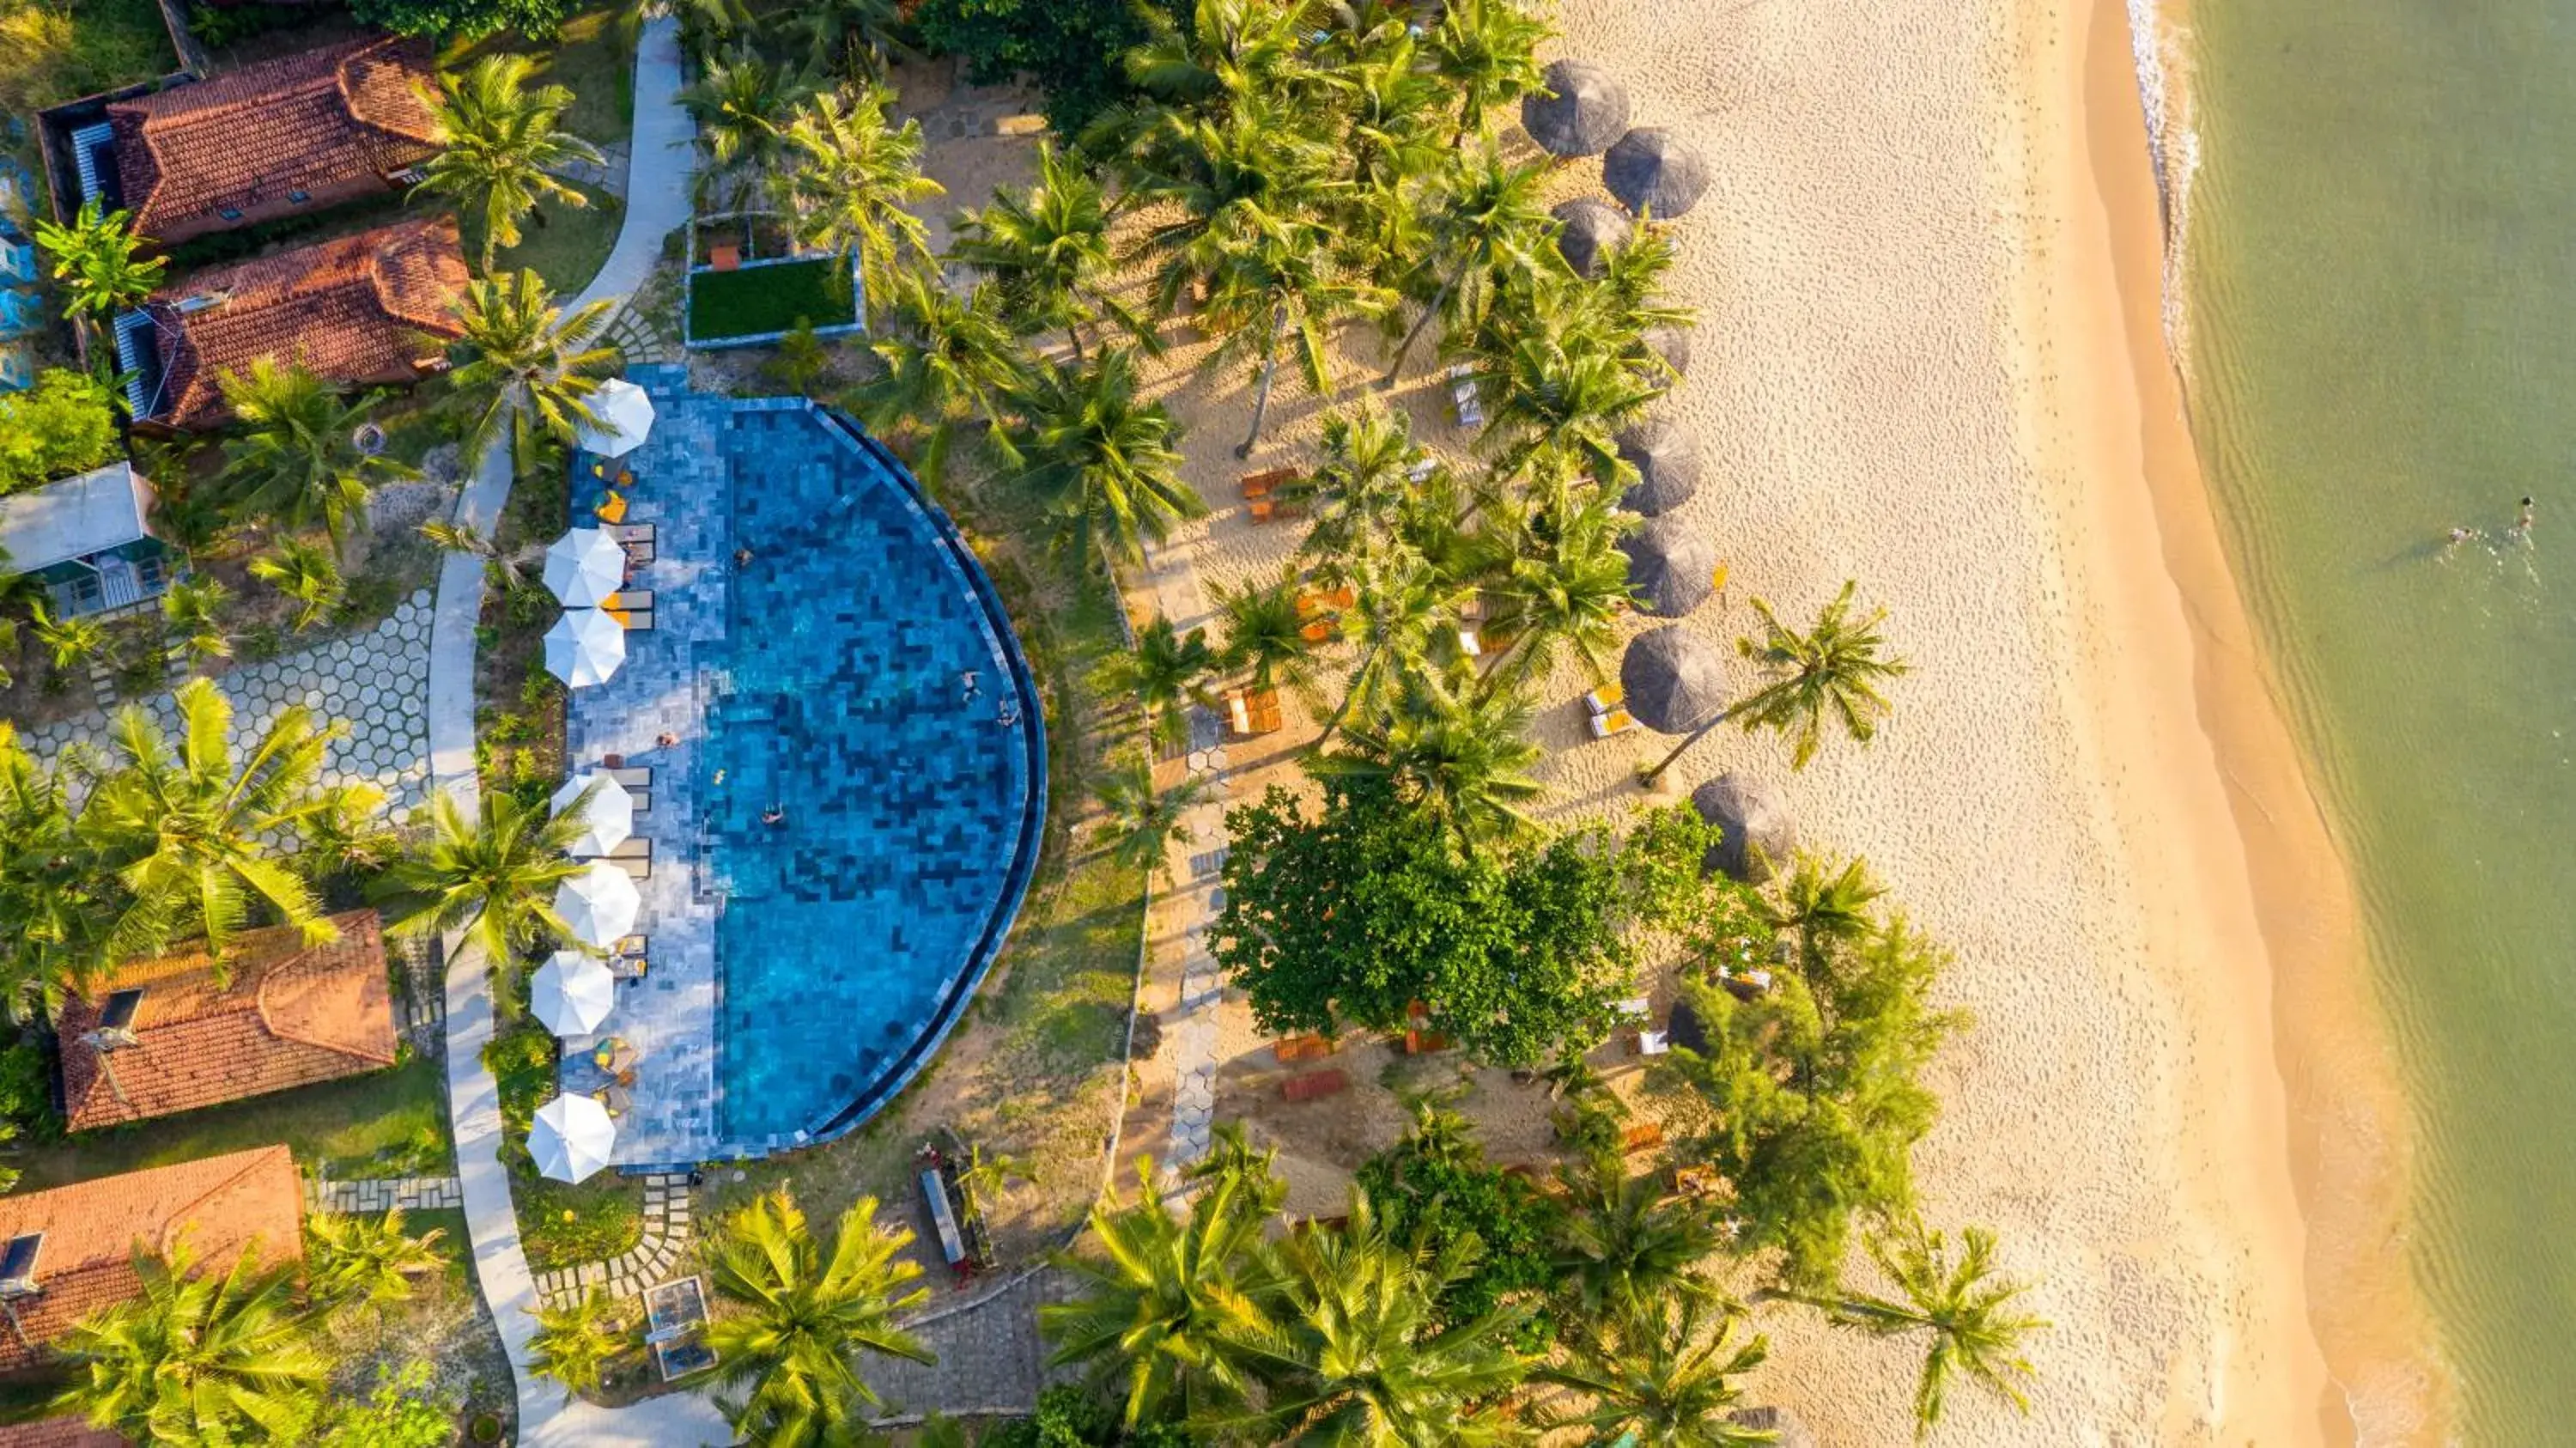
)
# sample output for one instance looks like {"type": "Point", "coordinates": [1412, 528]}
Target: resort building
{"type": "Point", "coordinates": [367, 310]}
{"type": "Point", "coordinates": [58, 1433]}
{"type": "Point", "coordinates": [173, 1033]}
{"type": "Point", "coordinates": [88, 540]}
{"type": "Point", "coordinates": [296, 134]}
{"type": "Point", "coordinates": [68, 1253]}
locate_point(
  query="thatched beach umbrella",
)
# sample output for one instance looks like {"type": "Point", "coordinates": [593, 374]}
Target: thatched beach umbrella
{"type": "Point", "coordinates": [1578, 109]}
{"type": "Point", "coordinates": [1672, 567]}
{"type": "Point", "coordinates": [1671, 343]}
{"type": "Point", "coordinates": [1588, 231]}
{"type": "Point", "coordinates": [1673, 680]}
{"type": "Point", "coordinates": [1760, 835]}
{"type": "Point", "coordinates": [1666, 458]}
{"type": "Point", "coordinates": [1655, 173]}
{"type": "Point", "coordinates": [1783, 1425]}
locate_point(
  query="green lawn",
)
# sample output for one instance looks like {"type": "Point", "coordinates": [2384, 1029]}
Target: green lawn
{"type": "Point", "coordinates": [386, 1124]}
{"type": "Point", "coordinates": [773, 298]}
{"type": "Point", "coordinates": [566, 245]}
{"type": "Point", "coordinates": [560, 1224]}
{"type": "Point", "coordinates": [590, 58]}
{"type": "Point", "coordinates": [52, 51]}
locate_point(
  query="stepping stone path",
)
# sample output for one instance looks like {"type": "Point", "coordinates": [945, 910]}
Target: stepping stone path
{"type": "Point", "coordinates": [383, 1194]}
{"type": "Point", "coordinates": [666, 1236]}
{"type": "Point", "coordinates": [990, 1357]}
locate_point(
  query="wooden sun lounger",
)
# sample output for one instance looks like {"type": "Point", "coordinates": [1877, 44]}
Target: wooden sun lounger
{"type": "Point", "coordinates": [1640, 1136]}
{"type": "Point", "coordinates": [1315, 1085]}
{"type": "Point", "coordinates": [1419, 1042]}
{"type": "Point", "coordinates": [1617, 721]}
{"type": "Point", "coordinates": [1292, 1049]}
{"type": "Point", "coordinates": [1265, 482]}
{"type": "Point", "coordinates": [635, 857]}
{"type": "Point", "coordinates": [629, 600]}
{"type": "Point", "coordinates": [1253, 711]}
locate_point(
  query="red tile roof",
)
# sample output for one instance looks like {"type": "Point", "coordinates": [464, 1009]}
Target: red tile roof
{"type": "Point", "coordinates": [93, 1229]}
{"type": "Point", "coordinates": [58, 1433]}
{"type": "Point", "coordinates": [331, 123]}
{"type": "Point", "coordinates": [368, 309]}
{"type": "Point", "coordinates": [291, 1015]}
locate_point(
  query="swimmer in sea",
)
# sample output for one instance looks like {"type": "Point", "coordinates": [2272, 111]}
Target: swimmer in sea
{"type": "Point", "coordinates": [2522, 524]}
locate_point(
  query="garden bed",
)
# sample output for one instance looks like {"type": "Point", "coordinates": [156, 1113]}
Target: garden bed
{"type": "Point", "coordinates": [763, 300]}
{"type": "Point", "coordinates": [390, 1123]}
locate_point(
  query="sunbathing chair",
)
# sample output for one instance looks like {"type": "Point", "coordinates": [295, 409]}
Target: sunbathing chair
{"type": "Point", "coordinates": [639, 540]}
{"type": "Point", "coordinates": [1315, 1085]}
{"type": "Point", "coordinates": [629, 600]}
{"type": "Point", "coordinates": [1462, 396]}
{"type": "Point", "coordinates": [1617, 721]}
{"type": "Point", "coordinates": [1319, 631]}
{"type": "Point", "coordinates": [1606, 698]}
{"type": "Point", "coordinates": [635, 857]}
{"type": "Point", "coordinates": [1292, 1049]}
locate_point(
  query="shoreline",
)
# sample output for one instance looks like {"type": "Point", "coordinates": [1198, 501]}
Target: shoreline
{"type": "Point", "coordinates": [2324, 1126]}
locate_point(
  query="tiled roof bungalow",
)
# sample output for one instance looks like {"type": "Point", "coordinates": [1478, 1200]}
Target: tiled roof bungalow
{"type": "Point", "coordinates": [295, 134]}
{"type": "Point", "coordinates": [164, 1035]}
{"type": "Point", "coordinates": [373, 309]}
{"type": "Point", "coordinates": [59, 1433]}
{"type": "Point", "coordinates": [69, 1252]}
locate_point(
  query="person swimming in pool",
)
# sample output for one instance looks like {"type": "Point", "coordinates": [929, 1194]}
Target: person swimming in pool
{"type": "Point", "coordinates": [974, 685]}
{"type": "Point", "coordinates": [774, 816]}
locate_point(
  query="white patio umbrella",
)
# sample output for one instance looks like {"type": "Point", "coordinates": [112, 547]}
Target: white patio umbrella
{"type": "Point", "coordinates": [571, 1137]}
{"type": "Point", "coordinates": [585, 566]}
{"type": "Point", "coordinates": [571, 993]}
{"type": "Point", "coordinates": [599, 904]}
{"type": "Point", "coordinates": [624, 419]}
{"type": "Point", "coordinates": [609, 818]}
{"type": "Point", "coordinates": [584, 647]}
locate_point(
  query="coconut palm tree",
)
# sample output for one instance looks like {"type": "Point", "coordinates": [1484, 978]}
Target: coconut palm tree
{"type": "Point", "coordinates": [953, 360]}
{"type": "Point", "coordinates": [528, 368]}
{"type": "Point", "coordinates": [307, 573]}
{"type": "Point", "coordinates": [197, 1359]}
{"type": "Point", "coordinates": [1265, 634]}
{"type": "Point", "coordinates": [1486, 51]}
{"type": "Point", "coordinates": [576, 1344]}
{"type": "Point", "coordinates": [845, 176]}
{"type": "Point", "coordinates": [1102, 457]}
{"type": "Point", "coordinates": [1285, 286]}
{"type": "Point", "coordinates": [707, 26]}
{"type": "Point", "coordinates": [508, 568]}
{"type": "Point", "coordinates": [743, 106]}
{"type": "Point", "coordinates": [853, 39]}
{"type": "Point", "coordinates": [1230, 54]}
{"type": "Point", "coordinates": [801, 1312]}
{"type": "Point", "coordinates": [1624, 1245]}
{"type": "Point", "coordinates": [1560, 392]}
{"type": "Point", "coordinates": [1048, 251]}
{"type": "Point", "coordinates": [1567, 593]}
{"type": "Point", "coordinates": [60, 898]}
{"type": "Point", "coordinates": [294, 457]}
{"type": "Point", "coordinates": [1832, 671]}
{"type": "Point", "coordinates": [1458, 758]}
{"type": "Point", "coordinates": [352, 1259]}
{"type": "Point", "coordinates": [1401, 604]}
{"type": "Point", "coordinates": [503, 143]}
{"type": "Point", "coordinates": [1390, 105]}
{"type": "Point", "coordinates": [185, 824]}
{"type": "Point", "coordinates": [1360, 489]}
{"type": "Point", "coordinates": [491, 878]}
{"type": "Point", "coordinates": [1139, 824]}
{"type": "Point", "coordinates": [193, 608]}
{"type": "Point", "coordinates": [1235, 182]}
{"type": "Point", "coordinates": [99, 260]}
{"type": "Point", "coordinates": [1661, 1374]}
{"type": "Point", "coordinates": [1965, 1309]}
{"type": "Point", "coordinates": [1166, 672]}
{"type": "Point", "coordinates": [69, 642]}
{"type": "Point", "coordinates": [1486, 222]}
{"type": "Point", "coordinates": [1825, 905]}
{"type": "Point", "coordinates": [1163, 1309]}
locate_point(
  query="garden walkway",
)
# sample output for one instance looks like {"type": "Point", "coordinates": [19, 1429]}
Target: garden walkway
{"type": "Point", "coordinates": [657, 203]}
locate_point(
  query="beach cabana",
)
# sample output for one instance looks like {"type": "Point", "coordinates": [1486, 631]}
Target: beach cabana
{"type": "Point", "coordinates": [599, 904]}
{"type": "Point", "coordinates": [571, 1138]}
{"type": "Point", "coordinates": [608, 820]}
{"type": "Point", "coordinates": [1655, 173]}
{"type": "Point", "coordinates": [1673, 680]}
{"type": "Point", "coordinates": [1672, 567]}
{"type": "Point", "coordinates": [1579, 109]}
{"type": "Point", "coordinates": [1666, 458]}
{"type": "Point", "coordinates": [585, 647]}
{"type": "Point", "coordinates": [622, 418]}
{"type": "Point", "coordinates": [1588, 230]}
{"type": "Point", "coordinates": [571, 994]}
{"type": "Point", "coordinates": [585, 566]}
{"type": "Point", "coordinates": [1759, 834]}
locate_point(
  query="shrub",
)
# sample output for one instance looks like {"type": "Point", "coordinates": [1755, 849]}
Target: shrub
{"type": "Point", "coordinates": [27, 1093]}
{"type": "Point", "coordinates": [465, 19]}
{"type": "Point", "coordinates": [1075, 48]}
{"type": "Point", "coordinates": [65, 424]}
{"type": "Point", "coordinates": [1441, 1189]}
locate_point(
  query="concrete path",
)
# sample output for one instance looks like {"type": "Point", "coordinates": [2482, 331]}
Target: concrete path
{"type": "Point", "coordinates": [664, 160]}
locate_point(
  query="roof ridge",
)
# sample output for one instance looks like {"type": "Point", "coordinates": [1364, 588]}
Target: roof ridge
{"type": "Point", "coordinates": [259, 1004]}
{"type": "Point", "coordinates": [378, 51]}
{"type": "Point", "coordinates": [254, 1157]}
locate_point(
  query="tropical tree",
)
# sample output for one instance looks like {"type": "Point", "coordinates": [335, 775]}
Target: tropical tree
{"type": "Point", "coordinates": [509, 569]}
{"type": "Point", "coordinates": [801, 1313]}
{"type": "Point", "coordinates": [800, 358]}
{"type": "Point", "coordinates": [1624, 1246]}
{"type": "Point", "coordinates": [69, 642]}
{"type": "Point", "coordinates": [1568, 592]}
{"type": "Point", "coordinates": [1486, 51]}
{"type": "Point", "coordinates": [99, 260]}
{"type": "Point", "coordinates": [194, 1358]}
{"type": "Point", "coordinates": [1832, 672]}
{"type": "Point", "coordinates": [1401, 603]}
{"type": "Point", "coordinates": [853, 39]}
{"type": "Point", "coordinates": [1389, 102]}
{"type": "Point", "coordinates": [1166, 1306]}
{"type": "Point", "coordinates": [1227, 54]}
{"type": "Point", "coordinates": [577, 1343]}
{"type": "Point", "coordinates": [353, 1259]}
{"type": "Point", "coordinates": [952, 361]}
{"type": "Point", "coordinates": [1826, 906]}
{"type": "Point", "coordinates": [743, 106]}
{"type": "Point", "coordinates": [528, 368]}
{"type": "Point", "coordinates": [1560, 391]}
{"type": "Point", "coordinates": [1265, 634]}
{"type": "Point", "coordinates": [1660, 1374]}
{"type": "Point", "coordinates": [1284, 287]}
{"type": "Point", "coordinates": [1458, 758]}
{"type": "Point", "coordinates": [307, 573]}
{"type": "Point", "coordinates": [1487, 224]}
{"type": "Point", "coordinates": [1138, 824]}
{"type": "Point", "coordinates": [61, 900]}
{"type": "Point", "coordinates": [1048, 251]}
{"type": "Point", "coordinates": [503, 144]}
{"type": "Point", "coordinates": [846, 177]}
{"type": "Point", "coordinates": [1102, 457]}
{"type": "Point", "coordinates": [1360, 490]}
{"type": "Point", "coordinates": [193, 609]}
{"type": "Point", "coordinates": [492, 877]}
{"type": "Point", "coordinates": [1166, 672]}
{"type": "Point", "coordinates": [185, 824]}
{"type": "Point", "coordinates": [294, 457]}
{"type": "Point", "coordinates": [1253, 177]}
{"type": "Point", "coordinates": [1966, 1311]}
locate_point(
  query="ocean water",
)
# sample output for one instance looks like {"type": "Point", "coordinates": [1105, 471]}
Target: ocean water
{"type": "Point", "coordinates": [2378, 292]}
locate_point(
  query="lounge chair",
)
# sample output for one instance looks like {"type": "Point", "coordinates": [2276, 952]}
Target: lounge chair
{"type": "Point", "coordinates": [629, 600]}
{"type": "Point", "coordinates": [1469, 644]}
{"type": "Point", "coordinates": [1418, 1042]}
{"type": "Point", "coordinates": [1695, 1181]}
{"type": "Point", "coordinates": [1617, 721]}
{"type": "Point", "coordinates": [1292, 1049]}
{"type": "Point", "coordinates": [1462, 396]}
{"type": "Point", "coordinates": [633, 778]}
{"type": "Point", "coordinates": [1252, 712]}
{"type": "Point", "coordinates": [1606, 698]}
{"type": "Point", "coordinates": [1654, 1043]}
{"type": "Point", "coordinates": [635, 857]}
{"type": "Point", "coordinates": [1319, 631]}
{"type": "Point", "coordinates": [637, 620]}
{"type": "Point", "coordinates": [640, 540]}
{"type": "Point", "coordinates": [1315, 1085]}
{"type": "Point", "coordinates": [1634, 1008]}
{"type": "Point", "coordinates": [1262, 484]}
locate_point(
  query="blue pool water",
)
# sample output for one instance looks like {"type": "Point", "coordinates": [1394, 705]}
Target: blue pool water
{"type": "Point", "coordinates": [852, 932]}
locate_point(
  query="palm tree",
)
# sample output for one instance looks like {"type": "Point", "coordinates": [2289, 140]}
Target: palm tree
{"type": "Point", "coordinates": [1967, 1310]}
{"type": "Point", "coordinates": [504, 143]}
{"type": "Point", "coordinates": [1825, 905]}
{"type": "Point", "coordinates": [528, 367]}
{"type": "Point", "coordinates": [853, 39]}
{"type": "Point", "coordinates": [1458, 759]}
{"type": "Point", "coordinates": [1358, 492]}
{"type": "Point", "coordinates": [799, 359]}
{"type": "Point", "coordinates": [1624, 1246]}
{"type": "Point", "coordinates": [1232, 53]}
{"type": "Point", "coordinates": [1265, 634]}
{"type": "Point", "coordinates": [801, 1313]}
{"type": "Point", "coordinates": [1388, 100]}
{"type": "Point", "coordinates": [1049, 251]}
{"type": "Point", "coordinates": [1103, 457]}
{"type": "Point", "coordinates": [1659, 1376]}
{"type": "Point", "coordinates": [492, 878]}
{"type": "Point", "coordinates": [61, 900]}
{"type": "Point", "coordinates": [576, 1344]}
{"type": "Point", "coordinates": [307, 573]}
{"type": "Point", "coordinates": [186, 824]}
{"type": "Point", "coordinates": [1562, 392]}
{"type": "Point", "coordinates": [1250, 177]}
{"type": "Point", "coordinates": [846, 177]}
{"type": "Point", "coordinates": [743, 106]}
{"type": "Point", "coordinates": [1569, 592]}
{"type": "Point", "coordinates": [1164, 1306]}
{"type": "Point", "coordinates": [197, 1358]}
{"type": "Point", "coordinates": [1486, 49]}
{"type": "Point", "coordinates": [1138, 824]}
{"type": "Point", "coordinates": [99, 260]}
{"type": "Point", "coordinates": [1283, 286]}
{"type": "Point", "coordinates": [352, 1259]}
{"type": "Point", "coordinates": [510, 568]}
{"type": "Point", "coordinates": [706, 25]}
{"type": "Point", "coordinates": [1401, 603]}
{"type": "Point", "coordinates": [193, 608]}
{"type": "Point", "coordinates": [1488, 221]}
{"type": "Point", "coordinates": [69, 642]}
{"type": "Point", "coordinates": [954, 361]}
{"type": "Point", "coordinates": [1832, 671]}
{"type": "Point", "coordinates": [1165, 672]}
{"type": "Point", "coordinates": [294, 457]}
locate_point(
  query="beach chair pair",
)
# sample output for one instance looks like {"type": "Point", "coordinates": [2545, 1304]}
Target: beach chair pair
{"type": "Point", "coordinates": [1607, 711]}
{"type": "Point", "coordinates": [631, 607]}
{"type": "Point", "coordinates": [637, 782]}
{"type": "Point", "coordinates": [1260, 490]}
{"type": "Point", "coordinates": [638, 539]}
{"type": "Point", "coordinates": [635, 857]}
{"type": "Point", "coordinates": [1462, 396]}
{"type": "Point", "coordinates": [631, 957]}
{"type": "Point", "coordinates": [1253, 711]}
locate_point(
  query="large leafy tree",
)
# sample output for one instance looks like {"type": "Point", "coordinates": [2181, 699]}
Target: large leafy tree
{"type": "Point", "coordinates": [1964, 1310]}
{"type": "Point", "coordinates": [504, 142]}
{"type": "Point", "coordinates": [294, 457]}
{"type": "Point", "coordinates": [1830, 674]}
{"type": "Point", "coordinates": [100, 262]}
{"type": "Point", "coordinates": [1659, 1373]}
{"type": "Point", "coordinates": [64, 424]}
{"type": "Point", "coordinates": [529, 370]}
{"type": "Point", "coordinates": [847, 177]}
{"type": "Point", "coordinates": [1102, 457]}
{"type": "Point", "coordinates": [950, 361]}
{"type": "Point", "coordinates": [197, 1359]}
{"type": "Point", "coordinates": [801, 1313]}
{"type": "Point", "coordinates": [1074, 48]}
{"type": "Point", "coordinates": [491, 877]}
{"type": "Point", "coordinates": [465, 19]}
